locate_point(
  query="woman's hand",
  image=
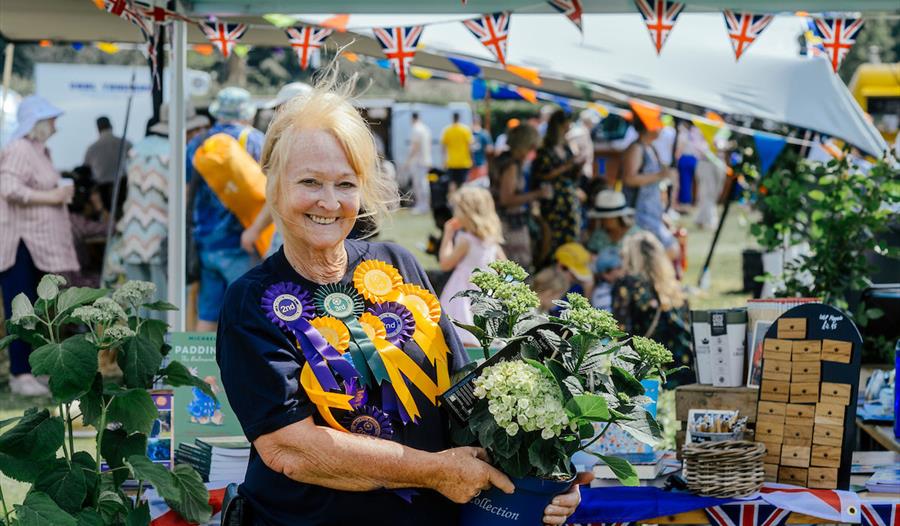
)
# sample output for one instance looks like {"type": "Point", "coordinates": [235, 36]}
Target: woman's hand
{"type": "Point", "coordinates": [565, 504]}
{"type": "Point", "coordinates": [466, 472]}
{"type": "Point", "coordinates": [451, 226]}
{"type": "Point", "coordinates": [63, 194]}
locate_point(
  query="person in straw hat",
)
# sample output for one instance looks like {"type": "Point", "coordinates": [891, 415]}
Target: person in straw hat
{"type": "Point", "coordinates": [610, 222]}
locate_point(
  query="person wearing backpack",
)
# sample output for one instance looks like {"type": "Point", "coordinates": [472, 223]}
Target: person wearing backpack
{"type": "Point", "coordinates": [217, 221]}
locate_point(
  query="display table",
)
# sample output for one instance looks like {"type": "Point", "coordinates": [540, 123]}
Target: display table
{"type": "Point", "coordinates": [881, 433]}
{"type": "Point", "coordinates": [618, 504]}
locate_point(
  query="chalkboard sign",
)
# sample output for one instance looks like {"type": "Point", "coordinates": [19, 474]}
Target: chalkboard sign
{"type": "Point", "coordinates": [807, 397]}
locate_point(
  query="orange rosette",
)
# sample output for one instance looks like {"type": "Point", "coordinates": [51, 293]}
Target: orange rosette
{"type": "Point", "coordinates": [376, 280]}
{"type": "Point", "coordinates": [373, 326]}
{"type": "Point", "coordinates": [334, 331]}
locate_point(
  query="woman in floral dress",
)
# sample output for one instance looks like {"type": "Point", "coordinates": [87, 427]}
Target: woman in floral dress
{"type": "Point", "coordinates": [555, 165]}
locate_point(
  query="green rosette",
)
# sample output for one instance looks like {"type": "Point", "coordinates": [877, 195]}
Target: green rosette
{"type": "Point", "coordinates": [346, 304]}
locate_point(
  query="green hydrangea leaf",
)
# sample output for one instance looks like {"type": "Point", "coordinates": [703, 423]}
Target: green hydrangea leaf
{"type": "Point", "coordinates": [588, 407]}
{"type": "Point", "coordinates": [194, 497]}
{"type": "Point", "coordinates": [139, 360]}
{"type": "Point", "coordinates": [117, 445]}
{"type": "Point", "coordinates": [621, 468]}
{"type": "Point", "coordinates": [139, 516]}
{"type": "Point", "coordinates": [71, 365]}
{"type": "Point", "coordinates": [161, 478]}
{"type": "Point", "coordinates": [159, 306]}
{"type": "Point", "coordinates": [77, 296]}
{"type": "Point", "coordinates": [177, 375]}
{"type": "Point", "coordinates": [40, 510]}
{"type": "Point", "coordinates": [35, 436]}
{"type": "Point", "coordinates": [64, 484]}
{"type": "Point", "coordinates": [91, 517]}
{"type": "Point", "coordinates": [134, 409]}
{"type": "Point", "coordinates": [91, 402]}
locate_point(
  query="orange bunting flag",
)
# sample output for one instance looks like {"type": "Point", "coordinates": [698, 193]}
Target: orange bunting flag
{"type": "Point", "coordinates": [528, 94]}
{"type": "Point", "coordinates": [337, 22]}
{"type": "Point", "coordinates": [649, 114]}
{"type": "Point", "coordinates": [203, 49]}
{"type": "Point", "coordinates": [532, 75]}
{"type": "Point", "coordinates": [352, 57]}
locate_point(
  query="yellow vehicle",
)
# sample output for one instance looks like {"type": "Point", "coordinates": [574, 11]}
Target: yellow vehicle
{"type": "Point", "coordinates": [876, 87]}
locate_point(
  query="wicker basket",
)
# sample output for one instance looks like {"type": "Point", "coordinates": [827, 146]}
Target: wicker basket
{"type": "Point", "coordinates": [732, 468]}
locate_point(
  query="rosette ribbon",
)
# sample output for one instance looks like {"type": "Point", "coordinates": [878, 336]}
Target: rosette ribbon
{"type": "Point", "coordinates": [402, 371]}
{"type": "Point", "coordinates": [345, 304]}
{"type": "Point", "coordinates": [380, 282]}
{"type": "Point", "coordinates": [289, 306]}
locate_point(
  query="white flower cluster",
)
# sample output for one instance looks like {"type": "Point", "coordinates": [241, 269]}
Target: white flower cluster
{"type": "Point", "coordinates": [119, 332]}
{"type": "Point", "coordinates": [134, 293]}
{"type": "Point", "coordinates": [520, 397]}
{"type": "Point", "coordinates": [104, 311]}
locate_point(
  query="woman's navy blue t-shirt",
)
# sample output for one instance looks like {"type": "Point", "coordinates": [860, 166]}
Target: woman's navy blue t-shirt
{"type": "Point", "coordinates": [260, 372]}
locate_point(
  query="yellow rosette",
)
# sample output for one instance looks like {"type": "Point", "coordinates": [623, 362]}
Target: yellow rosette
{"type": "Point", "coordinates": [376, 280]}
{"type": "Point", "coordinates": [324, 400]}
{"type": "Point", "coordinates": [372, 325]}
{"type": "Point", "coordinates": [399, 366]}
{"type": "Point", "coordinates": [334, 331]}
{"type": "Point", "coordinates": [426, 310]}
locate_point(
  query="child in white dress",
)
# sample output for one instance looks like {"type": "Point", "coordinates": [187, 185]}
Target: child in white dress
{"type": "Point", "coordinates": [471, 241]}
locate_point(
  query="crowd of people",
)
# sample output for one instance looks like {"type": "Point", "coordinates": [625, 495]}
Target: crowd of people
{"type": "Point", "coordinates": [585, 204]}
{"type": "Point", "coordinates": [586, 208]}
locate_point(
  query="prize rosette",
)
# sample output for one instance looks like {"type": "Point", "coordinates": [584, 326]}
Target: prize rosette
{"type": "Point", "coordinates": [372, 326]}
{"type": "Point", "coordinates": [422, 301]}
{"type": "Point", "coordinates": [290, 307]}
{"type": "Point", "coordinates": [334, 332]}
{"type": "Point", "coordinates": [285, 303]}
{"type": "Point", "coordinates": [397, 320]}
{"type": "Point", "coordinates": [339, 301]}
{"type": "Point", "coordinates": [376, 280]}
{"type": "Point", "coordinates": [370, 421]}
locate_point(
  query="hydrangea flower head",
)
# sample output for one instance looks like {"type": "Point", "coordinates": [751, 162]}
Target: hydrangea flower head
{"type": "Point", "coordinates": [581, 314]}
{"type": "Point", "coordinates": [521, 398]}
{"type": "Point", "coordinates": [134, 293]}
{"type": "Point", "coordinates": [651, 351]}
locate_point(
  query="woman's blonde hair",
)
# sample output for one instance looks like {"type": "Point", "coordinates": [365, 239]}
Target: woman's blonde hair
{"type": "Point", "coordinates": [328, 108]}
{"type": "Point", "coordinates": [643, 255]}
{"type": "Point", "coordinates": [477, 205]}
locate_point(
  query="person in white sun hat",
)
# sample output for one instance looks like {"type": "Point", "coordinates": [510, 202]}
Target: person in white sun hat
{"type": "Point", "coordinates": [611, 221]}
{"type": "Point", "coordinates": [35, 233]}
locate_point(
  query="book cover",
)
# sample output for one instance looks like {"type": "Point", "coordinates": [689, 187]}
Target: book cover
{"type": "Point", "coordinates": [194, 413]}
{"type": "Point", "coordinates": [617, 441]}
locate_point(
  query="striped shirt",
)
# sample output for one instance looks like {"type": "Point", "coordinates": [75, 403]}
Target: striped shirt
{"type": "Point", "coordinates": [25, 168]}
{"type": "Point", "coordinates": [145, 223]}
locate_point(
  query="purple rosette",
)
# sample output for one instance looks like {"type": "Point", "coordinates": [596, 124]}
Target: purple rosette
{"type": "Point", "coordinates": [399, 323]}
{"type": "Point", "coordinates": [289, 306]}
{"type": "Point", "coordinates": [354, 388]}
{"type": "Point", "coordinates": [369, 420]}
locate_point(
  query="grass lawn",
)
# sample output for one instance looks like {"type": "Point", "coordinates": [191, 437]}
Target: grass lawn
{"type": "Point", "coordinates": [411, 231]}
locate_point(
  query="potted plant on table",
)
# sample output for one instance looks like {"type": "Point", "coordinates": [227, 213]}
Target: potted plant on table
{"type": "Point", "coordinates": [69, 328]}
{"type": "Point", "coordinates": [536, 402]}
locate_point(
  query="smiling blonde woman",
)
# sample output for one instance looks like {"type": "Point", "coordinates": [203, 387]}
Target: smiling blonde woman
{"type": "Point", "coordinates": [333, 350]}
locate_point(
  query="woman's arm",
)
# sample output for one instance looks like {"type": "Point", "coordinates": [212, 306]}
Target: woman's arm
{"type": "Point", "coordinates": [14, 189]}
{"type": "Point", "coordinates": [509, 197]}
{"type": "Point", "coordinates": [632, 164]}
{"type": "Point", "coordinates": [318, 455]}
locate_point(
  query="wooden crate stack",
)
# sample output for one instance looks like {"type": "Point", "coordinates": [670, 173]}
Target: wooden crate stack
{"type": "Point", "coordinates": [800, 419]}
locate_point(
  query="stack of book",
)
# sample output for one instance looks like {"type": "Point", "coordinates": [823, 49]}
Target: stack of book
{"type": "Point", "coordinates": [885, 480]}
{"type": "Point", "coordinates": [216, 458]}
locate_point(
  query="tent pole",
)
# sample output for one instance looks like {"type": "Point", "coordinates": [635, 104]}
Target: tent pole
{"type": "Point", "coordinates": [7, 75]}
{"type": "Point", "coordinates": [177, 211]}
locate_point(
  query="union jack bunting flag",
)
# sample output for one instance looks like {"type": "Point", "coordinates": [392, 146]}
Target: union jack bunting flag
{"type": "Point", "coordinates": [744, 29]}
{"type": "Point", "coordinates": [305, 40]}
{"type": "Point", "coordinates": [399, 46]}
{"type": "Point", "coordinates": [660, 17]}
{"type": "Point", "coordinates": [223, 36]}
{"type": "Point", "coordinates": [886, 514]}
{"type": "Point", "coordinates": [747, 514]}
{"type": "Point", "coordinates": [159, 15]}
{"type": "Point", "coordinates": [125, 9]}
{"type": "Point", "coordinates": [571, 8]}
{"type": "Point", "coordinates": [492, 30]}
{"type": "Point", "coordinates": [838, 36]}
